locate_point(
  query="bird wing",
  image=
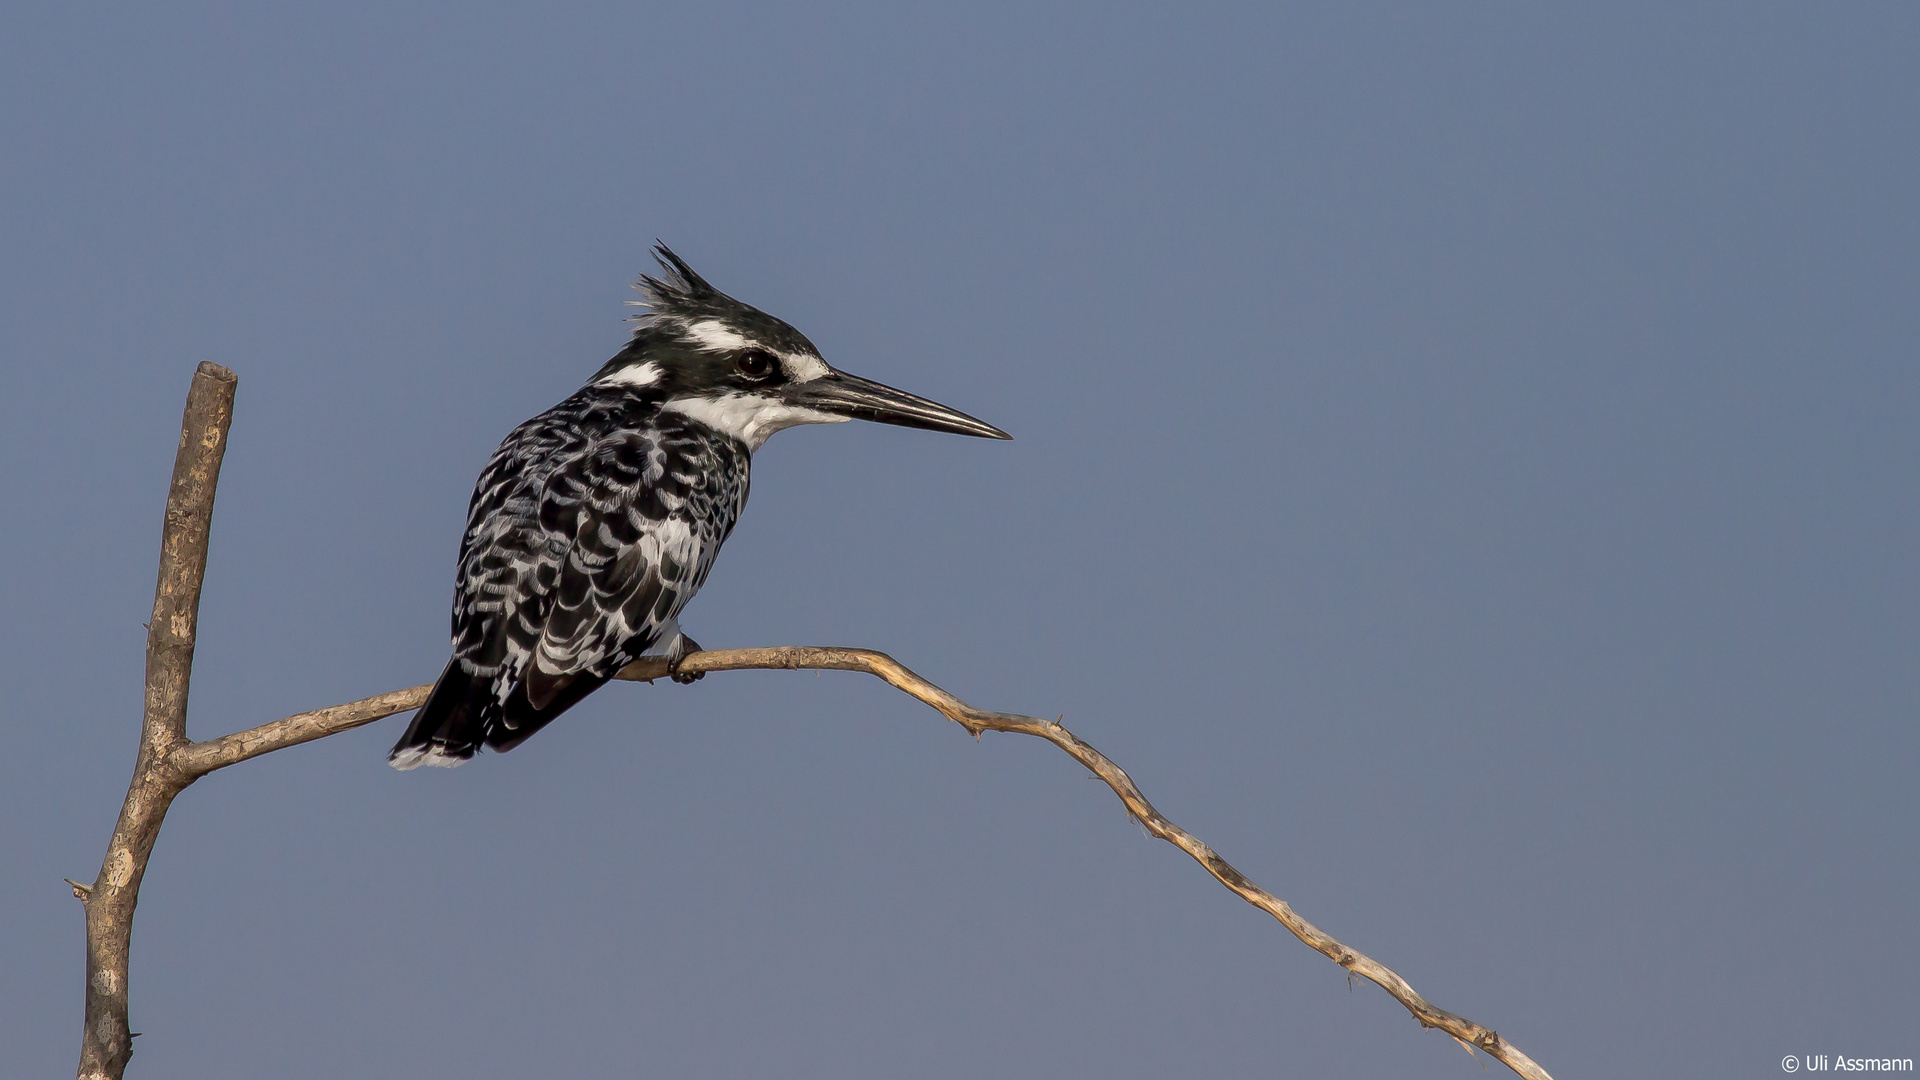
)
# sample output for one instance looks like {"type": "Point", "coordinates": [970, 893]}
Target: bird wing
{"type": "Point", "coordinates": [637, 552]}
{"type": "Point", "coordinates": [509, 562]}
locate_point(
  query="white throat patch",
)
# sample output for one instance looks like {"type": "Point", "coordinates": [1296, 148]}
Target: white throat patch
{"type": "Point", "coordinates": [751, 418]}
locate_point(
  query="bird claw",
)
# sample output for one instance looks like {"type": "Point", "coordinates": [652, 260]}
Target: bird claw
{"type": "Point", "coordinates": [683, 648]}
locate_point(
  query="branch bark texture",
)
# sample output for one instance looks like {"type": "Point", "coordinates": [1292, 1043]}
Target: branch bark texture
{"type": "Point", "coordinates": [107, 1042]}
{"type": "Point", "coordinates": [169, 761]}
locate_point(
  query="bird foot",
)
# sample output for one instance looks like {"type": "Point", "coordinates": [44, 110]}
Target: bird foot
{"type": "Point", "coordinates": [683, 646]}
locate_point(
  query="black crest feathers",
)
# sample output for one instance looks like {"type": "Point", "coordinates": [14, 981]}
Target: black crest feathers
{"type": "Point", "coordinates": [679, 292]}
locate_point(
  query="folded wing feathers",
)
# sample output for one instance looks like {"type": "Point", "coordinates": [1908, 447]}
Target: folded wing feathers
{"type": "Point", "coordinates": [584, 541]}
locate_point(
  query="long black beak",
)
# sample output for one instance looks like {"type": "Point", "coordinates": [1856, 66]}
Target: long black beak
{"type": "Point", "coordinates": [842, 394]}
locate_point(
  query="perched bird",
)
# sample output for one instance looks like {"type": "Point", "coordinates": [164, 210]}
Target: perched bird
{"type": "Point", "coordinates": [595, 522]}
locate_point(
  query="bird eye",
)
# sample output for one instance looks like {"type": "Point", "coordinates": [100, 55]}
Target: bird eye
{"type": "Point", "coordinates": [755, 364]}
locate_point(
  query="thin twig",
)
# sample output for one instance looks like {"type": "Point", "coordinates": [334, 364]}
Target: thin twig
{"type": "Point", "coordinates": [978, 720]}
{"type": "Point", "coordinates": [199, 759]}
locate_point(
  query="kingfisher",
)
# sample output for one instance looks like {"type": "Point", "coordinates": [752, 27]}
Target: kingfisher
{"type": "Point", "coordinates": [595, 522]}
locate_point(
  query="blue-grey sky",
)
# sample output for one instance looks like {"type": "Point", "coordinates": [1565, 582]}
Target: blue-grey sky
{"type": "Point", "coordinates": [1467, 468]}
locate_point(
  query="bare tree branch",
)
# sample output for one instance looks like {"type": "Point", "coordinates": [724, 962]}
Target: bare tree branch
{"type": "Point", "coordinates": [168, 761]}
{"type": "Point", "coordinates": [106, 1042]}
{"type": "Point", "coordinates": [977, 721]}
{"type": "Point", "coordinates": [198, 759]}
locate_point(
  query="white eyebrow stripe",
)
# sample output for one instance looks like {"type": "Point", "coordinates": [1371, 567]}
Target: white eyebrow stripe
{"type": "Point", "coordinates": [802, 367]}
{"type": "Point", "coordinates": [638, 375]}
{"type": "Point", "coordinates": [715, 336]}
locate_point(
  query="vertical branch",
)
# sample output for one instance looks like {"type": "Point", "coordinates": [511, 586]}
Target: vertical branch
{"type": "Point", "coordinates": [106, 1043]}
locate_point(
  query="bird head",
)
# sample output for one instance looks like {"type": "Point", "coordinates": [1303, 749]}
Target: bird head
{"type": "Point", "coordinates": [741, 371]}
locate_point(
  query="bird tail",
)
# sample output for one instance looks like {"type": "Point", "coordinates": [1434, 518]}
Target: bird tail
{"type": "Point", "coordinates": [449, 728]}
{"type": "Point", "coordinates": [520, 717]}
{"type": "Point", "coordinates": [462, 713]}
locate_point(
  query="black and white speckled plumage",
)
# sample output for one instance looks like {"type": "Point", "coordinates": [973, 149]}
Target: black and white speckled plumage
{"type": "Point", "coordinates": [592, 526]}
{"type": "Point", "coordinates": [595, 522]}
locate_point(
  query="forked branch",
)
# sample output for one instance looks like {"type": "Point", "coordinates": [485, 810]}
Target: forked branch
{"type": "Point", "coordinates": [168, 762]}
